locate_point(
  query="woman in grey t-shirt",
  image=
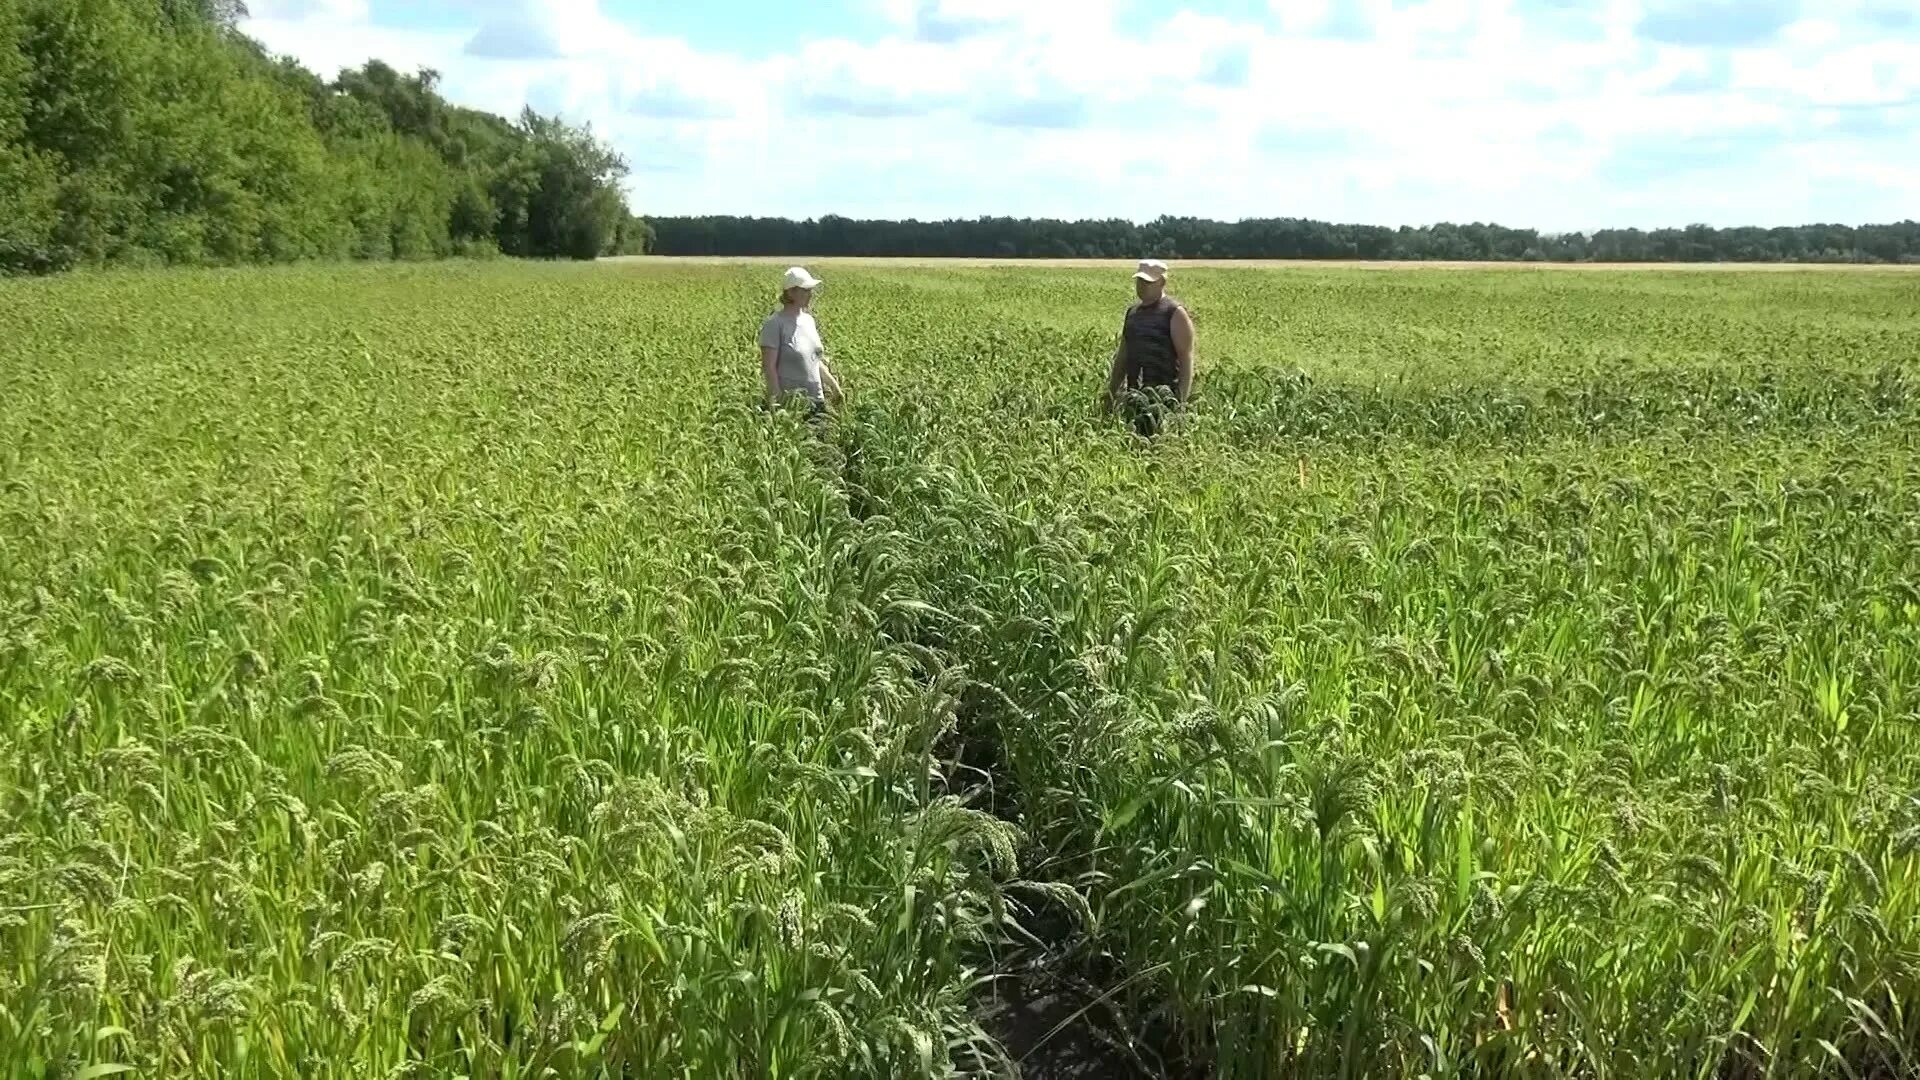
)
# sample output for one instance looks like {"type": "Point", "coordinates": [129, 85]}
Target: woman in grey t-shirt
{"type": "Point", "coordinates": [793, 359]}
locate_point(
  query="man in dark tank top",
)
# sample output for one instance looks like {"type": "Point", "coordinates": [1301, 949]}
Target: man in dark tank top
{"type": "Point", "coordinates": [1153, 364]}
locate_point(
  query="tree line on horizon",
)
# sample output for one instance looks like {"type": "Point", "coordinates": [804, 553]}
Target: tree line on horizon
{"type": "Point", "coordinates": [154, 132]}
{"type": "Point", "coordinates": [1272, 238]}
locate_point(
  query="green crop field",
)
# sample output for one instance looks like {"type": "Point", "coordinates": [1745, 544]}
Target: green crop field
{"type": "Point", "coordinates": [436, 671]}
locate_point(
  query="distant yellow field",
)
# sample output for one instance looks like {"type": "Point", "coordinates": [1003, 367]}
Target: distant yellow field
{"type": "Point", "coordinates": [1267, 264]}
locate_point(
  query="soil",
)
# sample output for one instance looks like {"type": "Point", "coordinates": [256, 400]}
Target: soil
{"type": "Point", "coordinates": [1051, 1002]}
{"type": "Point", "coordinates": [1057, 1021]}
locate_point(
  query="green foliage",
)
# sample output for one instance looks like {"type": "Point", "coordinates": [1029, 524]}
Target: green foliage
{"type": "Point", "coordinates": [451, 669]}
{"type": "Point", "coordinates": [635, 237]}
{"type": "Point", "coordinates": [29, 178]}
{"type": "Point", "coordinates": [563, 199]}
{"type": "Point", "coordinates": [224, 14]}
{"type": "Point", "coordinates": [149, 130]}
{"type": "Point", "coordinates": [1279, 238]}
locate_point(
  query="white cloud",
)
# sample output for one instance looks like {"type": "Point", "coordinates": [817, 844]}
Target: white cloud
{"type": "Point", "coordinates": [1534, 112]}
{"type": "Point", "coordinates": [308, 9]}
{"type": "Point", "coordinates": [1301, 16]}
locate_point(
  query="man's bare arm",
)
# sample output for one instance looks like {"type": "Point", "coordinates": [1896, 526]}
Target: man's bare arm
{"type": "Point", "coordinates": [1183, 342]}
{"type": "Point", "coordinates": [1116, 374]}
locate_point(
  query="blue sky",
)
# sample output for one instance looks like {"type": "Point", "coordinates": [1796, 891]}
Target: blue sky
{"type": "Point", "coordinates": [1558, 114]}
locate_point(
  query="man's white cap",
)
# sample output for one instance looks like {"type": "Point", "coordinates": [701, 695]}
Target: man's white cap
{"type": "Point", "coordinates": [1151, 270]}
{"type": "Point", "coordinates": [798, 278]}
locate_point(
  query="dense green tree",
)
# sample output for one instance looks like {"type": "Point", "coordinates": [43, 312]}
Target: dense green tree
{"type": "Point", "coordinates": [636, 237]}
{"type": "Point", "coordinates": [29, 177]}
{"type": "Point", "coordinates": [571, 206]}
{"type": "Point", "coordinates": [152, 130]}
{"type": "Point", "coordinates": [225, 14]}
{"type": "Point", "coordinates": [1274, 238]}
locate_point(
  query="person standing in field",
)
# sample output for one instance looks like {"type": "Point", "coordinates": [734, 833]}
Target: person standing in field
{"type": "Point", "coordinates": [1153, 364]}
{"type": "Point", "coordinates": [793, 358]}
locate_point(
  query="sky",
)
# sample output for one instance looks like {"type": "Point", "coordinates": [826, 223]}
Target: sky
{"type": "Point", "coordinates": [1551, 114]}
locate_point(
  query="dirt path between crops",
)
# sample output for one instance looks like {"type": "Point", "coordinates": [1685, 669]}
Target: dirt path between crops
{"type": "Point", "coordinates": [1049, 1002]}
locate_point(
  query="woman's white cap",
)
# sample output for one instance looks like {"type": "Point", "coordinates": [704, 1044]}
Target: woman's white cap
{"type": "Point", "coordinates": [798, 278]}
